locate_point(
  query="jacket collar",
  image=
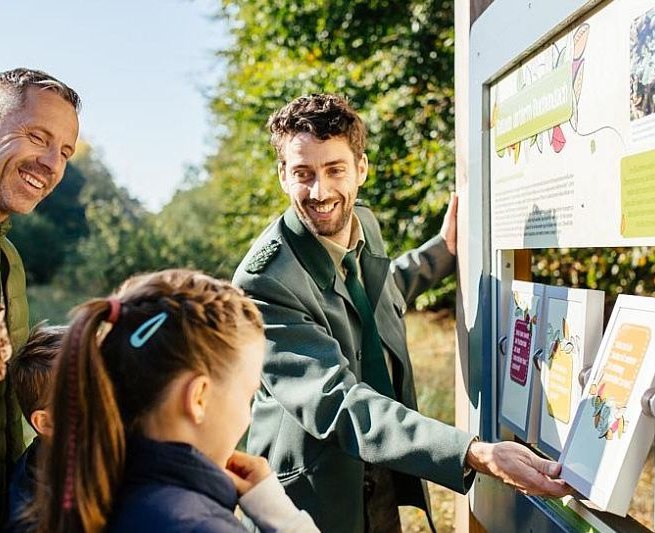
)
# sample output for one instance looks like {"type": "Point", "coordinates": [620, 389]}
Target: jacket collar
{"type": "Point", "coordinates": [311, 254]}
{"type": "Point", "coordinates": [179, 464]}
{"type": "Point", "coordinates": [317, 262]}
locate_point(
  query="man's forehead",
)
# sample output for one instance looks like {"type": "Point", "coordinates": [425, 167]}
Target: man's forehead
{"type": "Point", "coordinates": [305, 146]}
{"type": "Point", "coordinates": [47, 107]}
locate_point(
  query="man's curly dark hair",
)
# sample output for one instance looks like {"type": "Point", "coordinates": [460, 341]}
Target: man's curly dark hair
{"type": "Point", "coordinates": [322, 115]}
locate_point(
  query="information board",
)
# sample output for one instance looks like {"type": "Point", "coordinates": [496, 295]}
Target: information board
{"type": "Point", "coordinates": [572, 144]}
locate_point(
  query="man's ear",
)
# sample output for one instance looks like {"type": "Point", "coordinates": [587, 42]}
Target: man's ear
{"type": "Point", "coordinates": [362, 170]}
{"type": "Point", "coordinates": [282, 176]}
{"type": "Point", "coordinates": [196, 398]}
{"type": "Point", "coordinates": [41, 422]}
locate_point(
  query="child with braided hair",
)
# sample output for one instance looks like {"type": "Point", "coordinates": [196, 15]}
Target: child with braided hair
{"type": "Point", "coordinates": [152, 395]}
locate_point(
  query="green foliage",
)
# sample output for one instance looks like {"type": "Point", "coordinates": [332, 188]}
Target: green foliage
{"type": "Point", "coordinates": [46, 237]}
{"type": "Point", "coordinates": [117, 240]}
{"type": "Point", "coordinates": [392, 59]}
{"type": "Point", "coordinates": [613, 270]}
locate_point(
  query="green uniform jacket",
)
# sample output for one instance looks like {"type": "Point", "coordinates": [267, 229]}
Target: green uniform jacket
{"type": "Point", "coordinates": [313, 418]}
{"type": "Point", "coordinates": [15, 296]}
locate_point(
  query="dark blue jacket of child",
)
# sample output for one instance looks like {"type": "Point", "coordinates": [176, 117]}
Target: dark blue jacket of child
{"type": "Point", "coordinates": [23, 486]}
{"type": "Point", "coordinates": [171, 487]}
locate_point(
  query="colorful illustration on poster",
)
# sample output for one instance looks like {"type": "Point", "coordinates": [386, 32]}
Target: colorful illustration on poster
{"type": "Point", "coordinates": [610, 392]}
{"type": "Point", "coordinates": [564, 348]}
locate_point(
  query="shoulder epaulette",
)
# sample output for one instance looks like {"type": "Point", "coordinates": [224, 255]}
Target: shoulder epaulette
{"type": "Point", "coordinates": [260, 260]}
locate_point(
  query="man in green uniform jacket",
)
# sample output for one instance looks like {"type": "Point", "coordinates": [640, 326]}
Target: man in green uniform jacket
{"type": "Point", "coordinates": [336, 415]}
{"type": "Point", "coordinates": [38, 132]}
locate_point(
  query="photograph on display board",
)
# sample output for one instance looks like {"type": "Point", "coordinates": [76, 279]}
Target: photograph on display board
{"type": "Point", "coordinates": [642, 66]}
{"type": "Point", "coordinates": [611, 436]}
{"type": "Point", "coordinates": [521, 390]}
{"type": "Point", "coordinates": [573, 330]}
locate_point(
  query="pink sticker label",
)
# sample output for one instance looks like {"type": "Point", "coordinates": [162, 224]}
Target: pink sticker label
{"type": "Point", "coordinates": [521, 351]}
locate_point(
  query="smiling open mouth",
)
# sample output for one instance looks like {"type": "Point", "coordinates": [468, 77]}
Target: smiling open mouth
{"type": "Point", "coordinates": [324, 207]}
{"type": "Point", "coordinates": [34, 182]}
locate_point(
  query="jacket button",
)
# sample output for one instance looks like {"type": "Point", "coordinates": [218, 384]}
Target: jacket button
{"type": "Point", "coordinates": [358, 355]}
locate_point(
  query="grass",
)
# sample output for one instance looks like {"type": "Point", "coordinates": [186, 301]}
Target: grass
{"type": "Point", "coordinates": [431, 341]}
{"type": "Point", "coordinates": [51, 303]}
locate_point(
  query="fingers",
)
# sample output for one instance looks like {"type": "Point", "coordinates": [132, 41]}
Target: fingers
{"type": "Point", "coordinates": [241, 485]}
{"type": "Point", "coordinates": [449, 227]}
{"type": "Point", "coordinates": [452, 205]}
{"type": "Point", "coordinates": [248, 467]}
{"type": "Point", "coordinates": [546, 467]}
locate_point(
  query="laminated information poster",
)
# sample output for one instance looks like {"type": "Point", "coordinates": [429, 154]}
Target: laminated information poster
{"type": "Point", "coordinates": [610, 436]}
{"type": "Point", "coordinates": [573, 321]}
{"type": "Point", "coordinates": [521, 390]}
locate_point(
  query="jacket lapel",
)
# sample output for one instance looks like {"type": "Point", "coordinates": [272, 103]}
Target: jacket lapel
{"type": "Point", "coordinates": [373, 261]}
{"type": "Point", "coordinates": [312, 255]}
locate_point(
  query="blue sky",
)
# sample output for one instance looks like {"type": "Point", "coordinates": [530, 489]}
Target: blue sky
{"type": "Point", "coordinates": [141, 68]}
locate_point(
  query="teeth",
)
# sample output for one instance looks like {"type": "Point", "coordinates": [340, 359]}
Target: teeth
{"type": "Point", "coordinates": [32, 181]}
{"type": "Point", "coordinates": [324, 208]}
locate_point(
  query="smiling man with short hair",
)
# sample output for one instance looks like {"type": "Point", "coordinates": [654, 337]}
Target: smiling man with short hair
{"type": "Point", "coordinates": [336, 415]}
{"type": "Point", "coordinates": [38, 133]}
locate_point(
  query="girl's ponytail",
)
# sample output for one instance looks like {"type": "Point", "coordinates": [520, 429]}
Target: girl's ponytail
{"type": "Point", "coordinates": [85, 460]}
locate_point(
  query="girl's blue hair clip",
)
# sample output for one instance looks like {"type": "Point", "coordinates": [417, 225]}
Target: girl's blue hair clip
{"type": "Point", "coordinates": [147, 330]}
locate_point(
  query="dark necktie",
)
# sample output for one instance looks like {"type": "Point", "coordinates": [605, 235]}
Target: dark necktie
{"type": "Point", "coordinates": [374, 368]}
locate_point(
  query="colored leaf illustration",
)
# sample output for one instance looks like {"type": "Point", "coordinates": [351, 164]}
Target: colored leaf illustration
{"type": "Point", "coordinates": [501, 152]}
{"type": "Point", "coordinates": [598, 404]}
{"type": "Point", "coordinates": [517, 151]}
{"type": "Point", "coordinates": [601, 389]}
{"type": "Point", "coordinates": [621, 428]}
{"type": "Point", "coordinates": [577, 79]}
{"type": "Point", "coordinates": [558, 141]}
{"type": "Point", "coordinates": [532, 140]}
{"type": "Point", "coordinates": [580, 40]}
{"type": "Point", "coordinates": [592, 146]}
{"type": "Point", "coordinates": [565, 328]}
{"type": "Point", "coordinates": [604, 419]}
{"type": "Point", "coordinates": [540, 142]}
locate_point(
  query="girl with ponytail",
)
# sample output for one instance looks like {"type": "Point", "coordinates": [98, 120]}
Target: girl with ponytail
{"type": "Point", "coordinates": [152, 396]}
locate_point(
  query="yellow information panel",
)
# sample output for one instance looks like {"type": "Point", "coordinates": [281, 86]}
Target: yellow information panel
{"type": "Point", "coordinates": [638, 195]}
